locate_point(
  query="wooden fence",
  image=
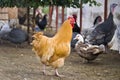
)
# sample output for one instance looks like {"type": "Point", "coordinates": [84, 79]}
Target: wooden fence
{"type": "Point", "coordinates": [8, 13]}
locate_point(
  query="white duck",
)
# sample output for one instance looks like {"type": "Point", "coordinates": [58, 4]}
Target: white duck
{"type": "Point", "coordinates": [87, 51]}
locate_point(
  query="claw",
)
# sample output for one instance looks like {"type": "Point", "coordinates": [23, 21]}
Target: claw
{"type": "Point", "coordinates": [57, 74]}
{"type": "Point", "coordinates": [44, 70]}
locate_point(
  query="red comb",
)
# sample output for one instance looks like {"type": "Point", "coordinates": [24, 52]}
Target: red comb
{"type": "Point", "coordinates": [72, 21]}
{"type": "Point", "coordinates": [71, 18]}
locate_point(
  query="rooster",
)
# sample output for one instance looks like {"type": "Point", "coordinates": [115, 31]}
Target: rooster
{"type": "Point", "coordinates": [41, 24]}
{"type": "Point", "coordinates": [53, 51]}
{"type": "Point", "coordinates": [76, 27]}
{"type": "Point", "coordinates": [76, 30]}
{"type": "Point", "coordinates": [22, 19]}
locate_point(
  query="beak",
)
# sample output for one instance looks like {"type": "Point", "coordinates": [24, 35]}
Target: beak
{"type": "Point", "coordinates": [75, 38]}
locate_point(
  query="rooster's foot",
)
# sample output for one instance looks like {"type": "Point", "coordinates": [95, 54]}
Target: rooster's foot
{"type": "Point", "coordinates": [57, 74]}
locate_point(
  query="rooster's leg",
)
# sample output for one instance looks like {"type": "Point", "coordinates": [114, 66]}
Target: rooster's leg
{"type": "Point", "coordinates": [57, 74]}
{"type": "Point", "coordinates": [44, 69]}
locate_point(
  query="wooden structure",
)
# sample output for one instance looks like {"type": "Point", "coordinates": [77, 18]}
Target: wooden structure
{"type": "Point", "coordinates": [4, 14]}
{"type": "Point", "coordinates": [51, 11]}
{"type": "Point", "coordinates": [56, 18]}
{"type": "Point", "coordinates": [81, 16]}
{"type": "Point", "coordinates": [12, 13]}
{"type": "Point", "coordinates": [8, 13]}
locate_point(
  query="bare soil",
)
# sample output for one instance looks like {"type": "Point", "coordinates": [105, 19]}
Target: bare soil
{"type": "Point", "coordinates": [21, 64]}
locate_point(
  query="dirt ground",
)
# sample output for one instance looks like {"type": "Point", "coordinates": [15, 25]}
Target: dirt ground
{"type": "Point", "coordinates": [21, 64]}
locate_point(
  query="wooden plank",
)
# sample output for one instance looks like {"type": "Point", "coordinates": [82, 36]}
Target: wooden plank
{"type": "Point", "coordinates": [3, 19]}
{"type": "Point", "coordinates": [81, 16]}
{"type": "Point", "coordinates": [3, 9]}
{"type": "Point", "coordinates": [28, 23]}
{"type": "Point", "coordinates": [13, 13]}
{"type": "Point", "coordinates": [4, 14]}
{"type": "Point", "coordinates": [105, 9]}
{"type": "Point", "coordinates": [63, 13]}
{"type": "Point", "coordinates": [51, 8]}
{"type": "Point", "coordinates": [8, 13]}
{"type": "Point", "coordinates": [56, 18]}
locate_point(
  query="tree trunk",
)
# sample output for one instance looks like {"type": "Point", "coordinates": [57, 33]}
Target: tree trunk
{"type": "Point", "coordinates": [50, 14]}
{"type": "Point", "coordinates": [28, 22]}
{"type": "Point", "coordinates": [81, 16]}
{"type": "Point", "coordinates": [56, 18]}
{"type": "Point", "coordinates": [105, 9]}
{"type": "Point", "coordinates": [63, 13]}
{"type": "Point", "coordinates": [34, 9]}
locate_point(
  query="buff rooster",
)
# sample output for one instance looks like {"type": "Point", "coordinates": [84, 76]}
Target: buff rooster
{"type": "Point", "coordinates": [53, 50]}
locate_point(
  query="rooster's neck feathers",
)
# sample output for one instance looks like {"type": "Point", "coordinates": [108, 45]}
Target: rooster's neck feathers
{"type": "Point", "coordinates": [65, 32]}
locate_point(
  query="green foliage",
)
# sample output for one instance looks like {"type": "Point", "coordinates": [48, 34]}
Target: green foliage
{"type": "Point", "coordinates": [45, 9]}
{"type": "Point", "coordinates": [36, 3]}
{"type": "Point", "coordinates": [91, 2]}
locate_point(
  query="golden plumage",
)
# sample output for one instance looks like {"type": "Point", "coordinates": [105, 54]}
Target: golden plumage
{"type": "Point", "coordinates": [53, 51]}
